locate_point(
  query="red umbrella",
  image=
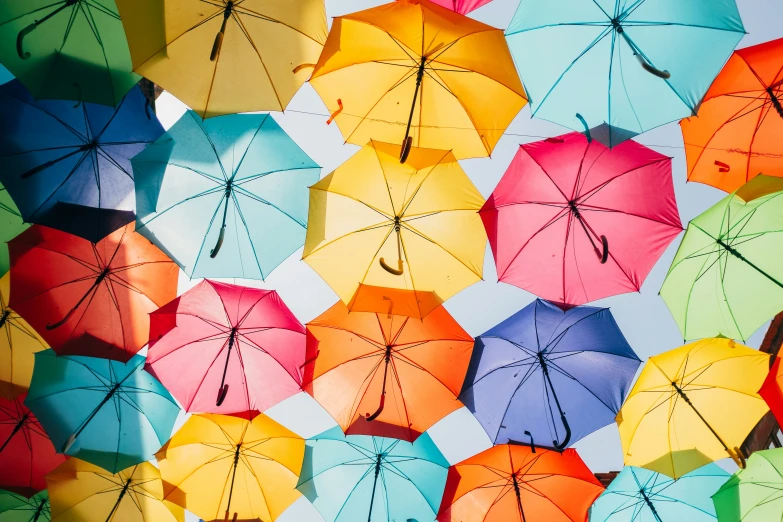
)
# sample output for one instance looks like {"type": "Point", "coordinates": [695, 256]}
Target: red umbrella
{"type": "Point", "coordinates": [26, 453]}
{"type": "Point", "coordinates": [772, 390]}
{"type": "Point", "coordinates": [89, 298]}
{"type": "Point", "coordinates": [573, 221]}
{"type": "Point", "coordinates": [221, 348]}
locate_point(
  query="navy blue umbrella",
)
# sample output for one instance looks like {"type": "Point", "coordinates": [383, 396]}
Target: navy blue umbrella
{"type": "Point", "coordinates": [66, 165]}
{"type": "Point", "coordinates": [549, 376]}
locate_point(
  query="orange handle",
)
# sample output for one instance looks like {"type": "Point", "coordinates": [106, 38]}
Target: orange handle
{"type": "Point", "coordinates": [335, 113]}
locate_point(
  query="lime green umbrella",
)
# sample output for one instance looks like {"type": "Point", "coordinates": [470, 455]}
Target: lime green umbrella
{"type": "Point", "coordinates": [16, 508]}
{"type": "Point", "coordinates": [727, 276]}
{"type": "Point", "coordinates": [753, 494]}
{"type": "Point", "coordinates": [11, 225]}
{"type": "Point", "coordinates": [67, 49]}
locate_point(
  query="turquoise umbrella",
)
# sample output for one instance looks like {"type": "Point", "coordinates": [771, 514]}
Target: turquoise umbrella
{"type": "Point", "coordinates": [619, 68]}
{"type": "Point", "coordinates": [225, 197]}
{"type": "Point", "coordinates": [109, 413]}
{"type": "Point", "coordinates": [17, 508]}
{"type": "Point", "coordinates": [356, 477]}
{"type": "Point", "coordinates": [641, 495]}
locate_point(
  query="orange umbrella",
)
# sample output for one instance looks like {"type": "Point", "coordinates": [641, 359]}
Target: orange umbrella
{"type": "Point", "coordinates": [736, 135]}
{"type": "Point", "coordinates": [519, 484]}
{"type": "Point", "coordinates": [384, 374]}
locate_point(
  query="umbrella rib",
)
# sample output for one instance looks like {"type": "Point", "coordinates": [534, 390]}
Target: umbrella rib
{"type": "Point", "coordinates": [255, 197]}
{"type": "Point", "coordinates": [235, 16]}
{"type": "Point", "coordinates": [432, 169]}
{"type": "Point", "coordinates": [64, 181]}
{"type": "Point", "coordinates": [423, 236]}
{"type": "Point", "coordinates": [239, 10]}
{"type": "Point", "coordinates": [238, 210]}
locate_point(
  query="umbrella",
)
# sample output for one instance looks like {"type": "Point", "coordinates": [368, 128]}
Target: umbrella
{"type": "Point", "coordinates": [26, 453]}
{"type": "Point", "coordinates": [572, 221]}
{"type": "Point", "coordinates": [693, 405]}
{"type": "Point", "coordinates": [11, 225]}
{"type": "Point", "coordinates": [16, 508]}
{"type": "Point", "coordinates": [517, 483]}
{"type": "Point", "coordinates": [753, 494]}
{"type": "Point", "coordinates": [216, 465]}
{"type": "Point", "coordinates": [461, 6]}
{"type": "Point", "coordinates": [18, 343]}
{"type": "Point", "coordinates": [413, 73]}
{"type": "Point", "coordinates": [394, 301]}
{"type": "Point", "coordinates": [411, 226]}
{"type": "Point", "coordinates": [348, 478]}
{"type": "Point", "coordinates": [736, 135]}
{"type": "Point", "coordinates": [549, 375]}
{"type": "Point", "coordinates": [726, 278]}
{"type": "Point", "coordinates": [226, 56]}
{"type": "Point", "coordinates": [69, 167]}
{"type": "Point", "coordinates": [192, 339]}
{"type": "Point", "coordinates": [111, 414]}
{"type": "Point", "coordinates": [384, 374]}
{"type": "Point", "coordinates": [618, 69]}
{"type": "Point", "coordinates": [89, 298]}
{"type": "Point", "coordinates": [82, 492]}
{"type": "Point", "coordinates": [637, 494]}
{"type": "Point", "coordinates": [772, 389]}
{"type": "Point", "coordinates": [225, 197]}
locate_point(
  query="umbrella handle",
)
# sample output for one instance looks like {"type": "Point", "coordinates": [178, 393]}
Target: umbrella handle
{"type": "Point", "coordinates": [391, 306]}
{"type": "Point", "coordinates": [234, 519]}
{"type": "Point", "coordinates": [398, 271]}
{"type": "Point", "coordinates": [335, 113]}
{"type": "Point", "coordinates": [722, 167]}
{"type": "Point", "coordinates": [406, 149]}
{"type": "Point", "coordinates": [532, 442]}
{"type": "Point", "coordinates": [222, 392]}
{"type": "Point", "coordinates": [587, 128]}
{"type": "Point", "coordinates": [603, 254]}
{"type": "Point", "coordinates": [664, 75]}
{"type": "Point", "coordinates": [737, 456]}
{"type": "Point", "coordinates": [377, 412]}
{"type": "Point", "coordinates": [214, 252]}
{"type": "Point", "coordinates": [216, 46]}
{"type": "Point", "coordinates": [20, 40]}
{"type": "Point", "coordinates": [561, 446]}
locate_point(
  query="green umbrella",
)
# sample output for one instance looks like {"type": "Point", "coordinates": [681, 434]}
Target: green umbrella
{"type": "Point", "coordinates": [753, 494]}
{"type": "Point", "coordinates": [67, 49]}
{"type": "Point", "coordinates": [11, 225]}
{"type": "Point", "coordinates": [16, 508]}
{"type": "Point", "coordinates": [727, 278]}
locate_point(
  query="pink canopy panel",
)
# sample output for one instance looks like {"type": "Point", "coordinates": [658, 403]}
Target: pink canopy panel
{"type": "Point", "coordinates": [461, 6]}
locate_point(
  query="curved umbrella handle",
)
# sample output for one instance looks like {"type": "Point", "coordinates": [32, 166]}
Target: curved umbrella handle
{"type": "Point", "coordinates": [587, 128]}
{"type": "Point", "coordinates": [374, 416]}
{"type": "Point", "coordinates": [398, 271]}
{"type": "Point", "coordinates": [406, 148]}
{"type": "Point", "coordinates": [603, 255]}
{"type": "Point", "coordinates": [737, 456]}
{"type": "Point", "coordinates": [214, 252]}
{"type": "Point", "coordinates": [532, 442]}
{"type": "Point", "coordinates": [234, 519]}
{"type": "Point", "coordinates": [722, 167]}
{"type": "Point", "coordinates": [222, 392]}
{"type": "Point", "coordinates": [20, 40]}
{"type": "Point", "coordinates": [664, 75]}
{"type": "Point", "coordinates": [335, 113]}
{"type": "Point", "coordinates": [561, 446]}
{"type": "Point", "coordinates": [216, 46]}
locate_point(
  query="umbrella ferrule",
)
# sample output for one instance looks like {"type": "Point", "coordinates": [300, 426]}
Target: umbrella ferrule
{"type": "Point", "coordinates": [227, 12]}
{"type": "Point", "coordinates": [773, 98]}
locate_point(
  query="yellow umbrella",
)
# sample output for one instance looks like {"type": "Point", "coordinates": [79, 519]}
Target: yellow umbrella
{"type": "Point", "coordinates": [18, 343]}
{"type": "Point", "coordinates": [82, 492]}
{"type": "Point", "coordinates": [693, 405]}
{"type": "Point", "coordinates": [222, 56]}
{"type": "Point", "coordinates": [412, 72]}
{"type": "Point", "coordinates": [216, 465]}
{"type": "Point", "coordinates": [412, 226]}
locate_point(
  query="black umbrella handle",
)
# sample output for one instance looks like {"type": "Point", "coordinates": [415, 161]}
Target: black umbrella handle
{"type": "Point", "coordinates": [223, 390]}
{"type": "Point", "coordinates": [219, 37]}
{"type": "Point", "coordinates": [407, 141]}
{"type": "Point", "coordinates": [30, 28]}
{"type": "Point", "coordinates": [214, 252]}
{"type": "Point", "coordinates": [563, 445]}
{"type": "Point", "coordinates": [373, 416]}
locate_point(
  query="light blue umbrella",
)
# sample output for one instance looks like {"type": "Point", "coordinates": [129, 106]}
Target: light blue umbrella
{"type": "Point", "coordinates": [105, 412]}
{"type": "Point", "coordinates": [356, 478]}
{"type": "Point", "coordinates": [641, 495]}
{"type": "Point", "coordinates": [617, 68]}
{"type": "Point", "coordinates": [225, 197]}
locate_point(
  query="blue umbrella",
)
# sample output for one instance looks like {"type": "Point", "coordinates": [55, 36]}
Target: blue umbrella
{"type": "Point", "coordinates": [619, 68]}
{"type": "Point", "coordinates": [549, 375]}
{"type": "Point", "coordinates": [109, 413]}
{"type": "Point", "coordinates": [225, 197]}
{"type": "Point", "coordinates": [68, 166]}
{"type": "Point", "coordinates": [641, 495]}
{"type": "Point", "coordinates": [357, 477]}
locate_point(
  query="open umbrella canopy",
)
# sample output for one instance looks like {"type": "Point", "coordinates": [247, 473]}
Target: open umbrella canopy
{"type": "Point", "coordinates": [461, 6]}
{"type": "Point", "coordinates": [519, 484]}
{"type": "Point", "coordinates": [693, 405]}
{"type": "Point", "coordinates": [82, 492]}
{"type": "Point", "coordinates": [617, 69]}
{"type": "Point", "coordinates": [16, 508]}
{"type": "Point", "coordinates": [68, 167]}
{"type": "Point", "coordinates": [11, 225]}
{"type": "Point", "coordinates": [356, 477]}
{"type": "Point", "coordinates": [726, 278]}
{"type": "Point", "coordinates": [411, 72]}
{"type": "Point", "coordinates": [753, 494]}
{"type": "Point", "coordinates": [26, 453]}
{"type": "Point", "coordinates": [110, 414]}
{"type": "Point", "coordinates": [549, 375]}
{"type": "Point", "coordinates": [222, 57]}
{"type": "Point", "coordinates": [384, 374]}
{"type": "Point", "coordinates": [18, 343]}
{"type": "Point", "coordinates": [89, 298]}
{"type": "Point", "coordinates": [67, 49]}
{"type": "Point", "coordinates": [227, 468]}
{"type": "Point", "coordinates": [413, 226]}
{"type": "Point", "coordinates": [572, 221]}
{"type": "Point", "coordinates": [641, 495]}
{"type": "Point", "coordinates": [772, 389]}
{"type": "Point", "coordinates": [736, 135]}
{"type": "Point", "coordinates": [222, 348]}
{"type": "Point", "coordinates": [225, 197]}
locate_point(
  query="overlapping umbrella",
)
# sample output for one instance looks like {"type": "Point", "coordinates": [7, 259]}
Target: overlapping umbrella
{"type": "Point", "coordinates": [16, 508]}
{"type": "Point", "coordinates": [772, 389]}
{"type": "Point", "coordinates": [753, 494]}
{"type": "Point", "coordinates": [11, 225]}
{"type": "Point", "coordinates": [461, 6]}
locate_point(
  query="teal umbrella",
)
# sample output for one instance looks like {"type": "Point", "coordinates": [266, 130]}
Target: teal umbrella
{"type": "Point", "coordinates": [11, 225]}
{"type": "Point", "coordinates": [356, 477]}
{"type": "Point", "coordinates": [105, 412]}
{"type": "Point", "coordinates": [225, 197]}
{"type": "Point", "coordinates": [17, 508]}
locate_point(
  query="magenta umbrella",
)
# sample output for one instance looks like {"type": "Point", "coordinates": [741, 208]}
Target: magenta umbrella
{"type": "Point", "coordinates": [573, 221]}
{"type": "Point", "coordinates": [461, 6]}
{"type": "Point", "coordinates": [221, 348]}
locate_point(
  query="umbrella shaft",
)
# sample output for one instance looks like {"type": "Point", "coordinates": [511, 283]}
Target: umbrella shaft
{"type": "Point", "coordinates": [374, 485]}
{"type": "Point", "coordinates": [650, 505]}
{"type": "Point", "coordinates": [228, 355]}
{"type": "Point", "coordinates": [689, 403]}
{"type": "Point", "coordinates": [4, 317]}
{"type": "Point", "coordinates": [519, 498]}
{"type": "Point", "coordinates": [66, 4]}
{"type": "Point", "coordinates": [93, 288]}
{"type": "Point", "coordinates": [14, 431]}
{"type": "Point", "coordinates": [419, 77]}
{"type": "Point", "coordinates": [731, 250]}
{"type": "Point", "coordinates": [545, 369]}
{"type": "Point", "coordinates": [775, 101]}
{"type": "Point", "coordinates": [109, 395]}
{"type": "Point", "coordinates": [119, 499]}
{"type": "Point", "coordinates": [233, 476]}
{"type": "Point", "coordinates": [39, 510]}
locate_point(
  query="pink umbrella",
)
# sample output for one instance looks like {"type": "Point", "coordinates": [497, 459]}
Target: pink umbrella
{"type": "Point", "coordinates": [573, 221]}
{"type": "Point", "coordinates": [221, 348]}
{"type": "Point", "coordinates": [461, 6]}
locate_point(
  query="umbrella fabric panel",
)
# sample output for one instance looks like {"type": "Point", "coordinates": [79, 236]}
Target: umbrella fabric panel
{"type": "Point", "coordinates": [11, 225]}
{"type": "Point", "coordinates": [461, 6]}
{"type": "Point", "coordinates": [17, 508]}
{"type": "Point", "coordinates": [753, 494]}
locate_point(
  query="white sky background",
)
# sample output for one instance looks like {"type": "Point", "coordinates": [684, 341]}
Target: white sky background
{"type": "Point", "coordinates": [643, 317]}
